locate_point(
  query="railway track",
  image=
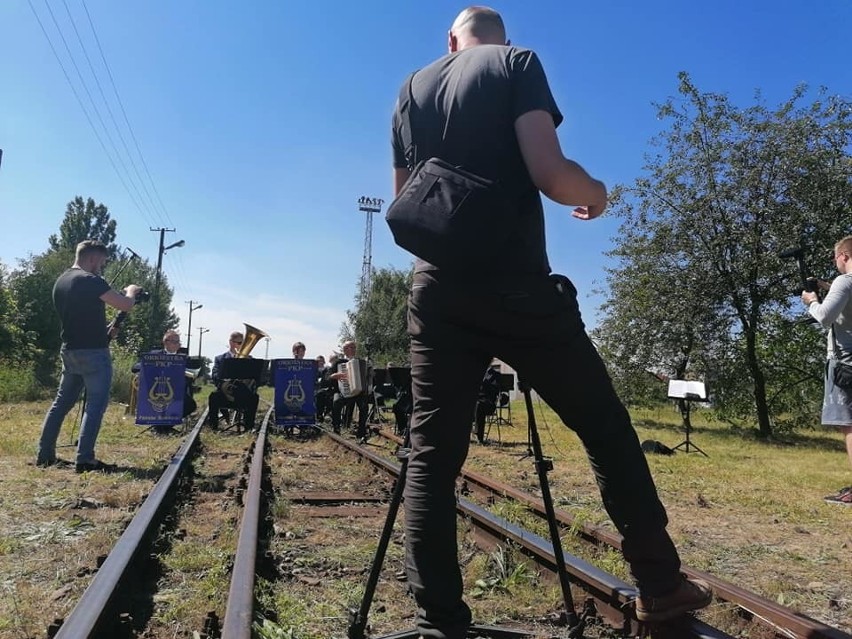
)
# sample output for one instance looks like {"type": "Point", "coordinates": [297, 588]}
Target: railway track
{"type": "Point", "coordinates": [296, 495]}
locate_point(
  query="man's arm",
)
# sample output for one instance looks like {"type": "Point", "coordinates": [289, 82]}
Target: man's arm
{"type": "Point", "coordinates": [121, 301]}
{"type": "Point", "coordinates": [562, 180]}
{"type": "Point", "coordinates": [829, 310]}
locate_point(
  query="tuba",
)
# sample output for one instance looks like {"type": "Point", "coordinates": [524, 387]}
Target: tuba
{"type": "Point", "coordinates": [252, 336]}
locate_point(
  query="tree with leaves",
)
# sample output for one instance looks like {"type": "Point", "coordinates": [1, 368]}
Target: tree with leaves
{"type": "Point", "coordinates": [85, 221]}
{"type": "Point", "coordinates": [379, 322]}
{"type": "Point", "coordinates": [699, 279]}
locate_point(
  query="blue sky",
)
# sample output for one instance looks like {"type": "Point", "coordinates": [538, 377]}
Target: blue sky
{"type": "Point", "coordinates": [263, 122]}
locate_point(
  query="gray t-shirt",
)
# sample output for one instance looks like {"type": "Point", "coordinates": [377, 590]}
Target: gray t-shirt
{"type": "Point", "coordinates": [465, 107]}
{"type": "Point", "coordinates": [836, 311]}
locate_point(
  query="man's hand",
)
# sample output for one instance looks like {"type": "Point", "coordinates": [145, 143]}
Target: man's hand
{"type": "Point", "coordinates": [131, 290]}
{"type": "Point", "coordinates": [593, 210]}
{"type": "Point", "coordinates": [809, 298]}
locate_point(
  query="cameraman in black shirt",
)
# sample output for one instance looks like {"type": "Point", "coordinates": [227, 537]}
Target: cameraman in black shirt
{"type": "Point", "coordinates": [80, 295]}
{"type": "Point", "coordinates": [487, 107]}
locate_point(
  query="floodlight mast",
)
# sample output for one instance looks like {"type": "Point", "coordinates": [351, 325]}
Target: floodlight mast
{"type": "Point", "coordinates": [368, 205]}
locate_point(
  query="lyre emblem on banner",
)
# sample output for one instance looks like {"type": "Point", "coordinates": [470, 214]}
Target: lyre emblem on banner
{"type": "Point", "coordinates": [294, 395]}
{"type": "Point", "coordinates": [161, 393]}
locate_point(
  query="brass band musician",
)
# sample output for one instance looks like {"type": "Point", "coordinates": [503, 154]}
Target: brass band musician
{"type": "Point", "coordinates": [231, 393]}
{"type": "Point", "coordinates": [361, 400]}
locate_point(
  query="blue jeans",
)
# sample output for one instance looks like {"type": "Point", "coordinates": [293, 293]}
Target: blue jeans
{"type": "Point", "coordinates": [89, 368]}
{"type": "Point", "coordinates": [534, 325]}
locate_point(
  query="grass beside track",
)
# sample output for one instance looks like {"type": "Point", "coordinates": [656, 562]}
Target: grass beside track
{"type": "Point", "coordinates": [752, 512]}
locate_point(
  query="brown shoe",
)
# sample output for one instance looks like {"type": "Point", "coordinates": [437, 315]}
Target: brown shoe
{"type": "Point", "coordinates": [691, 594]}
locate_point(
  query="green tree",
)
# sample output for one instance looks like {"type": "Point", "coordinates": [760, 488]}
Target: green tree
{"type": "Point", "coordinates": [32, 284]}
{"type": "Point", "coordinates": [85, 221]}
{"type": "Point", "coordinates": [16, 345]}
{"type": "Point", "coordinates": [379, 323]}
{"type": "Point", "coordinates": [699, 272]}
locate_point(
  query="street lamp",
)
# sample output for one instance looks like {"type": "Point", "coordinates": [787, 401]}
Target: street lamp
{"type": "Point", "coordinates": [201, 331]}
{"type": "Point", "coordinates": [189, 323]}
{"type": "Point", "coordinates": [156, 301]}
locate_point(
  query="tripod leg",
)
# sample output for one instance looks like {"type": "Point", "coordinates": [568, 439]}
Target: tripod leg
{"type": "Point", "coordinates": [542, 466]}
{"type": "Point", "coordinates": [358, 618]}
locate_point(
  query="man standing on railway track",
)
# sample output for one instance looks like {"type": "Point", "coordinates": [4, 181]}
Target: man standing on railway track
{"type": "Point", "coordinates": [80, 295]}
{"type": "Point", "coordinates": [487, 107]}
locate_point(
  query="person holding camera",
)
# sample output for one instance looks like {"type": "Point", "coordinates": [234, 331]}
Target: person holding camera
{"type": "Point", "coordinates": [487, 107]}
{"type": "Point", "coordinates": [835, 314]}
{"type": "Point", "coordinates": [80, 296]}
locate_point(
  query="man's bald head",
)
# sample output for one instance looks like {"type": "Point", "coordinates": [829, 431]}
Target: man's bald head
{"type": "Point", "coordinates": [476, 25]}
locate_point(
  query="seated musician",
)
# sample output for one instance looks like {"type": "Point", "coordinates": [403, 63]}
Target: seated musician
{"type": "Point", "coordinates": [361, 400]}
{"type": "Point", "coordinates": [325, 387]}
{"type": "Point", "coordinates": [231, 393]}
{"type": "Point", "coordinates": [171, 345]}
{"type": "Point", "coordinates": [486, 402]}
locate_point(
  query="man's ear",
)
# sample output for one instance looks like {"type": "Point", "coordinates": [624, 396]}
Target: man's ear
{"type": "Point", "coordinates": [452, 42]}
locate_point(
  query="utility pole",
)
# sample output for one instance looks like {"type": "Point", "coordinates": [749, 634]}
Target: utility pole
{"type": "Point", "coordinates": [368, 205]}
{"type": "Point", "coordinates": [156, 301]}
{"type": "Point", "coordinates": [189, 323]}
{"type": "Point", "coordinates": [201, 331]}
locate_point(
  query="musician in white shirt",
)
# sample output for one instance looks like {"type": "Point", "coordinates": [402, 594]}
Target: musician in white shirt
{"type": "Point", "coordinates": [361, 400]}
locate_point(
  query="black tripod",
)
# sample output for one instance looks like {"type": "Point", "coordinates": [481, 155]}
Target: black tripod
{"type": "Point", "coordinates": [684, 404]}
{"type": "Point", "coordinates": [358, 618]}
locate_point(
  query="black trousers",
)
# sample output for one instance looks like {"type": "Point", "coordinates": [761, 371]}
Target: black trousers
{"type": "Point", "coordinates": [244, 399]}
{"type": "Point", "coordinates": [534, 325]}
{"type": "Point", "coordinates": [362, 401]}
{"type": "Point", "coordinates": [483, 410]}
{"type": "Point", "coordinates": [323, 399]}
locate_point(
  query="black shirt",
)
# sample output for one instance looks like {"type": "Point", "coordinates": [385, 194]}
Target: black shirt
{"type": "Point", "coordinates": [466, 105]}
{"type": "Point", "coordinates": [77, 298]}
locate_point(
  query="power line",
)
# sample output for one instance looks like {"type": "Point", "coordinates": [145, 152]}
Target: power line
{"type": "Point", "coordinates": [92, 100]}
{"type": "Point", "coordinates": [124, 112]}
{"type": "Point", "coordinates": [83, 107]}
{"type": "Point", "coordinates": [109, 111]}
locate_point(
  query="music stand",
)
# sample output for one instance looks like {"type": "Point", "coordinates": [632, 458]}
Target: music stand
{"type": "Point", "coordinates": [242, 368]}
{"type": "Point", "coordinates": [380, 378]}
{"type": "Point", "coordinates": [686, 392]}
{"type": "Point", "coordinates": [507, 385]}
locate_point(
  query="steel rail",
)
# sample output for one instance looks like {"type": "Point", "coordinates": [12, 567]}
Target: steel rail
{"type": "Point", "coordinates": [614, 598]}
{"type": "Point", "coordinates": [94, 615]}
{"type": "Point", "coordinates": [239, 610]}
{"type": "Point", "coordinates": [786, 623]}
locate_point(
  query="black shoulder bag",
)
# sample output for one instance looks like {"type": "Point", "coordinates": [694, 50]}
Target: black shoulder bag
{"type": "Point", "coordinates": [842, 371]}
{"type": "Point", "coordinates": [449, 217]}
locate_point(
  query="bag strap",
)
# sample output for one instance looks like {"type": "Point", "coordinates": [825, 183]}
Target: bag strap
{"type": "Point", "coordinates": [835, 347]}
{"type": "Point", "coordinates": [406, 105]}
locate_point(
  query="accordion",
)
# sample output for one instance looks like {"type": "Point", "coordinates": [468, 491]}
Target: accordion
{"type": "Point", "coordinates": [357, 377]}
